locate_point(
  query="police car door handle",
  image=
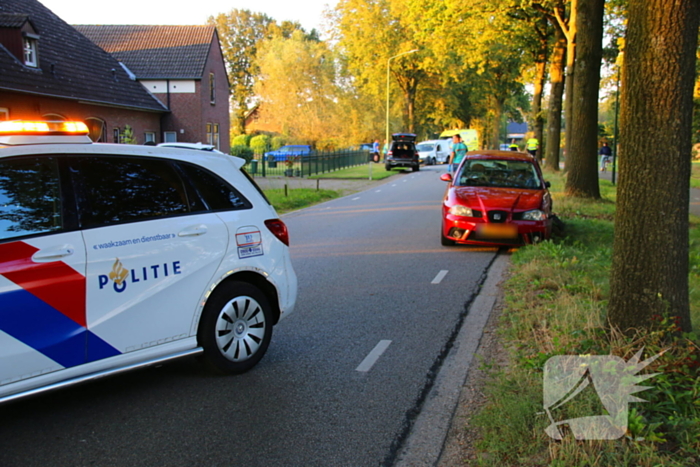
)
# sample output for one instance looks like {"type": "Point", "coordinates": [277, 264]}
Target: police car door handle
{"type": "Point", "coordinates": [193, 231]}
{"type": "Point", "coordinates": [52, 254]}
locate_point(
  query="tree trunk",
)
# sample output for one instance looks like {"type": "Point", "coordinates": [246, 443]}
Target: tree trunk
{"type": "Point", "coordinates": [540, 78]}
{"type": "Point", "coordinates": [570, 73]}
{"type": "Point", "coordinates": [582, 131]}
{"type": "Point", "coordinates": [556, 79]}
{"type": "Point", "coordinates": [497, 106]}
{"type": "Point", "coordinates": [649, 273]}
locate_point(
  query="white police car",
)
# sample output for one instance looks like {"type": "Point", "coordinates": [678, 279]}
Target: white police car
{"type": "Point", "coordinates": [114, 257]}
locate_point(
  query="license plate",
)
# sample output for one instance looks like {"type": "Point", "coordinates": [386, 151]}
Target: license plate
{"type": "Point", "coordinates": [504, 231]}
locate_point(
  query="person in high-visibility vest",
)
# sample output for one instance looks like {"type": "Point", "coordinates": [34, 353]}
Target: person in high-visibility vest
{"type": "Point", "coordinates": [513, 146]}
{"type": "Point", "coordinates": [532, 145]}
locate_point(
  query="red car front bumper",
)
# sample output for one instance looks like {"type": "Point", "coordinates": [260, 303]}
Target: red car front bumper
{"type": "Point", "coordinates": [478, 231]}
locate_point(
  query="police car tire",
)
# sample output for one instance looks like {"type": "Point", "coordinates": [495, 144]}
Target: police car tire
{"type": "Point", "coordinates": [236, 328]}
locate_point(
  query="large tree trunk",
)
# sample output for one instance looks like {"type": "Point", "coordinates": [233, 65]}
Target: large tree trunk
{"type": "Point", "coordinates": [650, 252]}
{"type": "Point", "coordinates": [556, 79]}
{"type": "Point", "coordinates": [540, 78]}
{"type": "Point", "coordinates": [497, 105]}
{"type": "Point", "coordinates": [582, 130]}
{"type": "Point", "coordinates": [570, 32]}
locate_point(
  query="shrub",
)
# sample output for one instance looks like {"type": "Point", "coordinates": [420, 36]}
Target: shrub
{"type": "Point", "coordinates": [241, 140]}
{"type": "Point", "coordinates": [277, 142]}
{"type": "Point", "coordinates": [260, 144]}
{"type": "Point", "coordinates": [243, 152]}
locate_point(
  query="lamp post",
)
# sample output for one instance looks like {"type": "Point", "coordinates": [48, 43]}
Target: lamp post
{"type": "Point", "coordinates": [386, 141]}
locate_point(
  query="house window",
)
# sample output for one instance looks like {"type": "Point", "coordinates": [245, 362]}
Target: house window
{"type": "Point", "coordinates": [215, 135]}
{"type": "Point", "coordinates": [4, 114]}
{"type": "Point", "coordinates": [30, 57]}
{"type": "Point", "coordinates": [209, 133]}
{"type": "Point", "coordinates": [149, 137]}
{"type": "Point", "coordinates": [116, 134]}
{"type": "Point", "coordinates": [170, 136]}
{"type": "Point", "coordinates": [212, 88]}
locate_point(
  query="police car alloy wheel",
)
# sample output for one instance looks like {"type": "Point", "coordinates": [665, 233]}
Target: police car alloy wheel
{"type": "Point", "coordinates": [236, 327]}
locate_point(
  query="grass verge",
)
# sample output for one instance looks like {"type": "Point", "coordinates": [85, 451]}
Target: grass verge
{"type": "Point", "coordinates": [298, 198]}
{"type": "Point", "coordinates": [556, 299]}
{"type": "Point", "coordinates": [358, 172]}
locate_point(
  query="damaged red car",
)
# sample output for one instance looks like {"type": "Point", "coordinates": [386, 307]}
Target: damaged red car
{"type": "Point", "coordinates": [496, 198]}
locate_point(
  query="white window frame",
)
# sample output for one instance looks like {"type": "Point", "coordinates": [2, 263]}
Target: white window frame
{"type": "Point", "coordinates": [208, 133]}
{"type": "Point", "coordinates": [149, 136]}
{"type": "Point", "coordinates": [29, 45]}
{"type": "Point", "coordinates": [170, 136]}
{"type": "Point", "coordinates": [215, 135]}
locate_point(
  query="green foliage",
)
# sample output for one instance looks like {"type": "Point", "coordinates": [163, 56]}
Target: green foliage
{"type": "Point", "coordinates": [277, 142]}
{"type": "Point", "coordinates": [241, 140]}
{"type": "Point", "coordinates": [242, 151]}
{"type": "Point", "coordinates": [128, 135]}
{"type": "Point", "coordinates": [260, 144]}
{"type": "Point", "coordinates": [299, 92]}
{"type": "Point", "coordinates": [240, 33]}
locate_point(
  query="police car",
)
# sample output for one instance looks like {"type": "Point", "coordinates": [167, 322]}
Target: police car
{"type": "Point", "coordinates": [114, 257]}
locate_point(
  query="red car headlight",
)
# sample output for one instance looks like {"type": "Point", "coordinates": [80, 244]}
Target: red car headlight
{"type": "Point", "coordinates": [534, 215]}
{"type": "Point", "coordinates": [462, 211]}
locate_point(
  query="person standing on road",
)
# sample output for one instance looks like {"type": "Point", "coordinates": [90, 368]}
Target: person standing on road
{"type": "Point", "coordinates": [375, 150]}
{"type": "Point", "coordinates": [605, 153]}
{"type": "Point", "coordinates": [532, 145]}
{"type": "Point", "coordinates": [459, 150]}
{"type": "Point", "coordinates": [513, 146]}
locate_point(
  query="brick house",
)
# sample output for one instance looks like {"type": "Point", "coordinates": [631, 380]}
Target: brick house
{"type": "Point", "coordinates": [183, 67]}
{"type": "Point", "coordinates": [48, 70]}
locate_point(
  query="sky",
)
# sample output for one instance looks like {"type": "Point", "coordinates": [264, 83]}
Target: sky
{"type": "Point", "coordinates": [307, 12]}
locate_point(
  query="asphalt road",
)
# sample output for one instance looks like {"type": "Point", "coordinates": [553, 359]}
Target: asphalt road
{"type": "Point", "coordinates": [380, 301]}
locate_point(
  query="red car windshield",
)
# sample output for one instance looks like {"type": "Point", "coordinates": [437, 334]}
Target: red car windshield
{"type": "Point", "coordinates": [498, 173]}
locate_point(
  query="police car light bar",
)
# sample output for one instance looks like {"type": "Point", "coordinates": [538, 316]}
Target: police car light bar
{"type": "Point", "coordinates": [24, 132]}
{"type": "Point", "coordinates": [23, 127]}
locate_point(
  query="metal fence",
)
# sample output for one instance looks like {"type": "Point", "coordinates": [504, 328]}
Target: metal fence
{"type": "Point", "coordinates": [317, 162]}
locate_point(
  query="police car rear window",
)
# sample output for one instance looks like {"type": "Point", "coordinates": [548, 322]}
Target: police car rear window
{"type": "Point", "coordinates": [30, 200]}
{"type": "Point", "coordinates": [112, 190]}
{"type": "Point", "coordinates": [216, 193]}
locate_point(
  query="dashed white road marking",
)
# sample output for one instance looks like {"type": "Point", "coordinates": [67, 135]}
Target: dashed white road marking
{"type": "Point", "coordinates": [441, 275]}
{"type": "Point", "coordinates": [373, 356]}
{"type": "Point", "coordinates": [355, 199]}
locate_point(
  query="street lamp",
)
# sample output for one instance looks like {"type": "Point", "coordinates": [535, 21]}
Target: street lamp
{"type": "Point", "coordinates": [386, 141]}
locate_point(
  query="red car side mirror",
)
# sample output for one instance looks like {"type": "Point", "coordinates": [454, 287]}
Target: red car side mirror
{"type": "Point", "coordinates": [447, 177]}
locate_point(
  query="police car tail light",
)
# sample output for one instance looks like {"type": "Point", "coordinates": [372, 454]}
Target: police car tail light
{"type": "Point", "coordinates": [24, 127]}
{"type": "Point", "coordinates": [278, 229]}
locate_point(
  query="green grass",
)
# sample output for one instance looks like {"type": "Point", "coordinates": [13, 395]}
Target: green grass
{"type": "Point", "coordinates": [358, 172]}
{"type": "Point", "coordinates": [695, 175]}
{"type": "Point", "coordinates": [298, 198]}
{"type": "Point", "coordinates": [556, 298]}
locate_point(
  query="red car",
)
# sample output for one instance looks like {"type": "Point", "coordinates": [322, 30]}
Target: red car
{"type": "Point", "coordinates": [496, 198]}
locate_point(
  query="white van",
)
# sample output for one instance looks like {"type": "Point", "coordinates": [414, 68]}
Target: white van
{"type": "Point", "coordinates": [434, 151]}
